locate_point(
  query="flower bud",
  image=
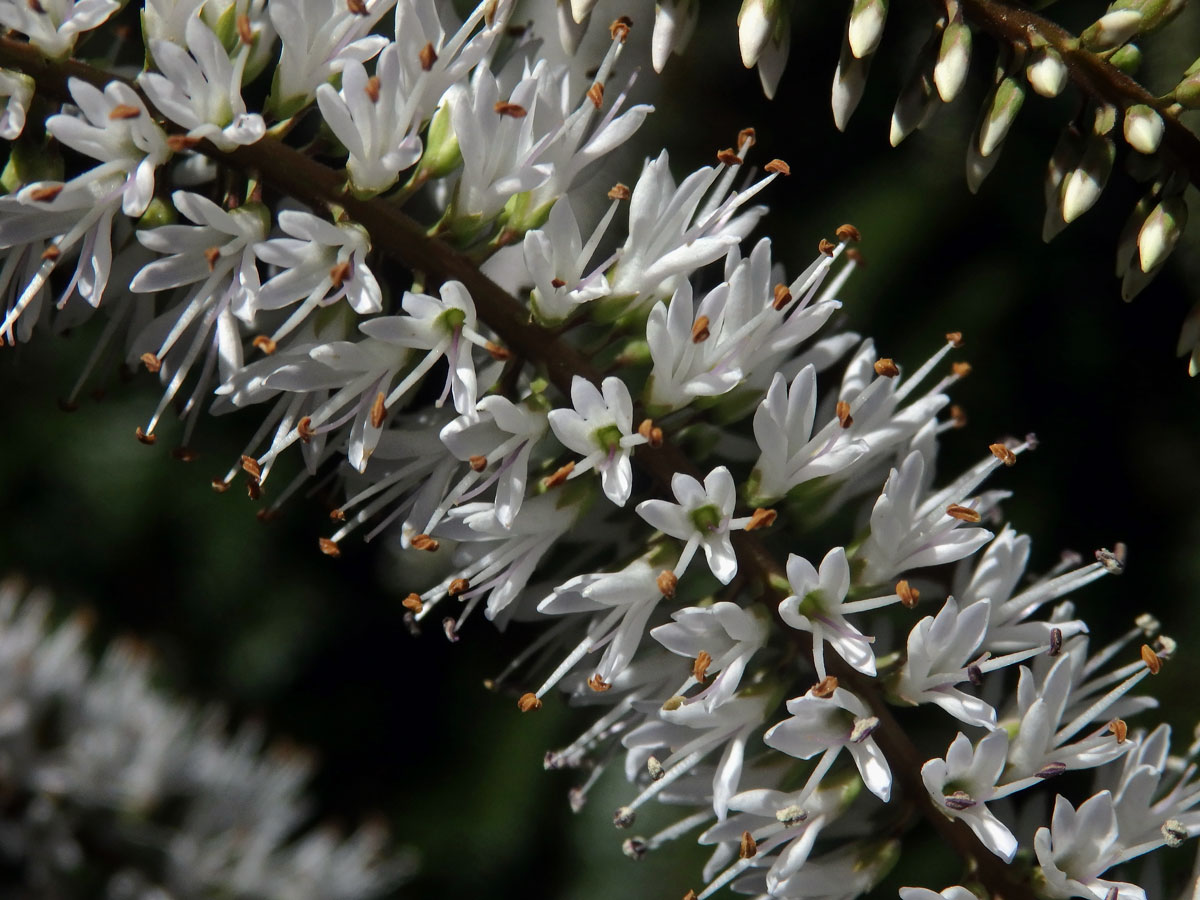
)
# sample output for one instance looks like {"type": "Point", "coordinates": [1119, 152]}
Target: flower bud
{"type": "Point", "coordinates": [867, 18]}
{"type": "Point", "coordinates": [1112, 30]}
{"type": "Point", "coordinates": [1128, 59]}
{"type": "Point", "coordinates": [954, 58]}
{"type": "Point", "coordinates": [848, 82]}
{"type": "Point", "coordinates": [1187, 92]}
{"type": "Point", "coordinates": [1160, 232]}
{"type": "Point", "coordinates": [1047, 73]}
{"type": "Point", "coordinates": [441, 146]}
{"type": "Point", "coordinates": [1001, 110]}
{"type": "Point", "coordinates": [1082, 187]}
{"type": "Point", "coordinates": [1143, 128]}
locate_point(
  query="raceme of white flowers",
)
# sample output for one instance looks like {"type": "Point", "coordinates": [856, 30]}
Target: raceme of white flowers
{"type": "Point", "coordinates": [725, 505]}
{"type": "Point", "coordinates": [109, 783]}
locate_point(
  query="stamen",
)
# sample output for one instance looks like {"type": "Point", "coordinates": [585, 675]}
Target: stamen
{"type": "Point", "coordinates": [700, 666]}
{"type": "Point", "coordinates": [1174, 832]}
{"type": "Point", "coordinates": [777, 167]}
{"type": "Point", "coordinates": [36, 7]}
{"type": "Point", "coordinates": [1119, 730]}
{"type": "Point", "coordinates": [975, 675]}
{"type": "Point", "coordinates": [826, 247]}
{"type": "Point", "coordinates": [963, 513]}
{"type": "Point", "coordinates": [357, 7]}
{"type": "Point", "coordinates": [673, 703]}
{"type": "Point", "coordinates": [843, 414]}
{"type": "Point", "coordinates": [478, 463]}
{"type": "Point", "coordinates": [729, 157]}
{"type": "Point", "coordinates": [328, 547]}
{"type": "Point", "coordinates": [304, 427]}
{"type": "Point", "coordinates": [512, 110]}
{"type": "Point", "coordinates": [700, 332]}
{"type": "Point", "coordinates": [339, 274]}
{"type": "Point", "coordinates": [848, 234]}
{"type": "Point", "coordinates": [458, 586]}
{"type": "Point", "coordinates": [863, 729]}
{"type": "Point", "coordinates": [762, 518]}
{"type": "Point", "coordinates": [1003, 454]}
{"type": "Point", "coordinates": [1151, 659]}
{"type": "Point", "coordinates": [790, 815]}
{"type": "Point", "coordinates": [635, 847]}
{"type": "Point", "coordinates": [151, 362]}
{"type": "Point", "coordinates": [652, 434]}
{"type": "Point", "coordinates": [747, 848]}
{"type": "Point", "coordinates": [782, 296]}
{"type": "Point", "coordinates": [427, 57]}
{"type": "Point", "coordinates": [655, 768]}
{"type": "Point", "coordinates": [961, 369]}
{"type": "Point", "coordinates": [1112, 560]}
{"type": "Point", "coordinates": [886, 367]}
{"type": "Point", "coordinates": [47, 193]}
{"type": "Point", "coordinates": [667, 581]}
{"type": "Point", "coordinates": [908, 594]}
{"type": "Point", "coordinates": [51, 253]}
{"type": "Point", "coordinates": [251, 467]}
{"type": "Point", "coordinates": [746, 139]}
{"type": "Point", "coordinates": [959, 801]}
{"type": "Point", "coordinates": [825, 687]}
{"type": "Point", "coordinates": [619, 191]}
{"type": "Point", "coordinates": [378, 411]}
{"type": "Point", "coordinates": [958, 416]}
{"type": "Point", "coordinates": [557, 283]}
{"type": "Point", "coordinates": [218, 485]}
{"type": "Point", "coordinates": [245, 34]}
{"type": "Point", "coordinates": [372, 88]}
{"type": "Point", "coordinates": [1056, 641]}
{"type": "Point", "coordinates": [624, 817]}
{"type": "Point", "coordinates": [529, 702]}
{"type": "Point", "coordinates": [181, 142]}
{"type": "Point", "coordinates": [619, 29]}
{"type": "Point", "coordinates": [596, 94]}
{"type": "Point", "coordinates": [497, 352]}
{"type": "Point", "coordinates": [184, 454]}
{"type": "Point", "coordinates": [598, 684]}
{"type": "Point", "coordinates": [425, 542]}
{"type": "Point", "coordinates": [124, 111]}
{"type": "Point", "coordinates": [1051, 770]}
{"type": "Point", "coordinates": [144, 437]}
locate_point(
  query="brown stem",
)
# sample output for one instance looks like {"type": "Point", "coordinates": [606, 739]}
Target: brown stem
{"type": "Point", "coordinates": [1092, 74]}
{"type": "Point", "coordinates": [392, 231]}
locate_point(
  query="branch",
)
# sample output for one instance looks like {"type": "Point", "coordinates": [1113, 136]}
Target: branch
{"type": "Point", "coordinates": [393, 232]}
{"type": "Point", "coordinates": [1092, 74]}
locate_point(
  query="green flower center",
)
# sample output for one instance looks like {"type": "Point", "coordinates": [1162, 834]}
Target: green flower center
{"type": "Point", "coordinates": [452, 319]}
{"type": "Point", "coordinates": [706, 518]}
{"type": "Point", "coordinates": [608, 437]}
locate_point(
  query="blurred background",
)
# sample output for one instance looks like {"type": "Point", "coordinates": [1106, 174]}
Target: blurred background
{"type": "Point", "coordinates": [251, 614]}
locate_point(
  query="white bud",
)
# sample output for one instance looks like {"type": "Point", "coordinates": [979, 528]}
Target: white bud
{"type": "Point", "coordinates": [1047, 73]}
{"type": "Point", "coordinates": [1112, 29]}
{"type": "Point", "coordinates": [1160, 232]}
{"type": "Point", "coordinates": [954, 59]}
{"type": "Point", "coordinates": [848, 83]}
{"type": "Point", "coordinates": [755, 22]}
{"type": "Point", "coordinates": [1143, 128]}
{"type": "Point", "coordinates": [1082, 188]}
{"type": "Point", "coordinates": [1002, 110]}
{"type": "Point", "coordinates": [865, 30]}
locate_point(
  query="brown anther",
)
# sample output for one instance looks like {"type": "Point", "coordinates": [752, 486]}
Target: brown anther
{"type": "Point", "coordinates": [378, 411]}
{"type": "Point", "coordinates": [958, 416]}
{"type": "Point", "coordinates": [251, 467]}
{"type": "Point", "coordinates": [848, 234]}
{"type": "Point", "coordinates": [782, 296]}
{"type": "Point", "coordinates": [36, 7]}
{"type": "Point", "coordinates": [826, 248]}
{"type": "Point", "coordinates": [304, 429]}
{"type": "Point", "coordinates": [777, 166]}
{"type": "Point", "coordinates": [267, 346]}
{"type": "Point", "coordinates": [498, 352]}
{"type": "Point", "coordinates": [358, 7]}
{"type": "Point", "coordinates": [729, 157]}
{"type": "Point", "coordinates": [701, 664]}
{"type": "Point", "coordinates": [47, 193]}
{"type": "Point", "coordinates": [1003, 454]}
{"type": "Point", "coordinates": [145, 438]}
{"type": "Point", "coordinates": [908, 594]}
{"type": "Point", "coordinates": [425, 542]}
{"type": "Point", "coordinates": [619, 191]}
{"type": "Point", "coordinates": [843, 414]}
{"type": "Point", "coordinates": [825, 687]}
{"type": "Point", "coordinates": [211, 255]}
{"type": "Point", "coordinates": [596, 94]}
{"type": "Point", "coordinates": [413, 603]}
{"type": "Point", "coordinates": [963, 513]}
{"type": "Point", "coordinates": [619, 29]}
{"type": "Point", "coordinates": [372, 89]}
{"type": "Point", "coordinates": [557, 283]}
{"type": "Point", "coordinates": [1151, 659]}
{"type": "Point", "coordinates": [652, 433]}
{"type": "Point", "coordinates": [761, 518]}
{"type": "Point", "coordinates": [747, 848]}
{"type": "Point", "coordinates": [184, 454]}
{"type": "Point", "coordinates": [886, 368]}
{"type": "Point", "coordinates": [512, 110]}
{"type": "Point", "coordinates": [245, 34]}
{"type": "Point", "coordinates": [151, 362]}
{"type": "Point", "coordinates": [124, 111]}
{"type": "Point", "coordinates": [339, 273]}
{"type": "Point", "coordinates": [450, 629]}
{"type": "Point", "coordinates": [337, 515]}
{"type": "Point", "coordinates": [1119, 730]}
{"type": "Point", "coordinates": [955, 339]}
{"type": "Point", "coordinates": [700, 332]}
{"type": "Point", "coordinates": [427, 57]}
{"type": "Point", "coordinates": [529, 702]}
{"type": "Point", "coordinates": [253, 488]}
{"type": "Point", "coordinates": [673, 703]}
{"type": "Point", "coordinates": [975, 675]}
{"type": "Point", "coordinates": [560, 475]}
{"type": "Point", "coordinates": [329, 547]}
{"type": "Point", "coordinates": [180, 142]}
{"type": "Point", "coordinates": [854, 255]}
{"type": "Point", "coordinates": [1056, 642]}
{"type": "Point", "coordinates": [961, 369]}
{"type": "Point", "coordinates": [51, 253]}
{"type": "Point", "coordinates": [458, 586]}
{"type": "Point", "coordinates": [598, 684]}
{"type": "Point", "coordinates": [220, 485]}
{"type": "Point", "coordinates": [478, 463]}
{"type": "Point", "coordinates": [690, 895]}
{"type": "Point", "coordinates": [747, 138]}
{"type": "Point", "coordinates": [667, 582]}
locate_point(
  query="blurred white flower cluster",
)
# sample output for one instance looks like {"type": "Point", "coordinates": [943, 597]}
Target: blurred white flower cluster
{"type": "Point", "coordinates": [556, 406]}
{"type": "Point", "coordinates": [109, 783]}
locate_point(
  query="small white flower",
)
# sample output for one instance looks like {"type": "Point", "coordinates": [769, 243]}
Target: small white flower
{"type": "Point", "coordinates": [815, 606]}
{"type": "Point", "coordinates": [1078, 847]}
{"type": "Point", "coordinates": [601, 428]}
{"type": "Point", "coordinates": [556, 258]}
{"type": "Point", "coordinates": [730, 636]}
{"type": "Point", "coordinates": [938, 650]}
{"type": "Point", "coordinates": [701, 518]}
{"type": "Point", "coordinates": [962, 784]}
{"type": "Point", "coordinates": [53, 26]}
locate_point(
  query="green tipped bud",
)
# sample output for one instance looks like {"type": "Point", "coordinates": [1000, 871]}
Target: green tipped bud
{"type": "Point", "coordinates": [1047, 73]}
{"type": "Point", "coordinates": [1112, 30]}
{"type": "Point", "coordinates": [867, 18]}
{"type": "Point", "coordinates": [157, 214]}
{"type": "Point", "coordinates": [848, 82]}
{"type": "Point", "coordinates": [954, 59]}
{"type": "Point", "coordinates": [1082, 188]}
{"type": "Point", "coordinates": [1155, 13]}
{"type": "Point", "coordinates": [1000, 112]}
{"type": "Point", "coordinates": [1143, 128]}
{"type": "Point", "coordinates": [1128, 59]}
{"type": "Point", "coordinates": [1187, 93]}
{"type": "Point", "coordinates": [1160, 232]}
{"type": "Point", "coordinates": [442, 155]}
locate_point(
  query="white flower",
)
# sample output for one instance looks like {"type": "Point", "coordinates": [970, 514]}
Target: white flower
{"type": "Point", "coordinates": [819, 724]}
{"type": "Point", "coordinates": [729, 635]}
{"type": "Point", "coordinates": [556, 258]}
{"type": "Point", "coordinates": [938, 650]}
{"type": "Point", "coordinates": [954, 892]}
{"type": "Point", "coordinates": [53, 26]}
{"type": "Point", "coordinates": [702, 517]}
{"type": "Point", "coordinates": [1078, 847]}
{"type": "Point", "coordinates": [201, 88]}
{"type": "Point", "coordinates": [601, 428]}
{"type": "Point", "coordinates": [963, 783]}
{"type": "Point", "coordinates": [816, 606]}
{"type": "Point", "coordinates": [18, 90]}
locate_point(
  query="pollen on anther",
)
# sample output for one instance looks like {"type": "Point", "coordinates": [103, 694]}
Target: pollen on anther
{"type": "Point", "coordinates": [425, 542]}
{"type": "Point", "coordinates": [673, 703]}
{"type": "Point", "coordinates": [557, 283]}
{"type": "Point", "coordinates": [700, 332]}
{"type": "Point", "coordinates": [848, 234]}
{"type": "Point", "coordinates": [747, 138]}
{"type": "Point", "coordinates": [1151, 659]}
{"type": "Point", "coordinates": [529, 702]}
{"type": "Point", "coordinates": [220, 485]}
{"type": "Point", "coordinates": [512, 110]}
{"type": "Point", "coordinates": [497, 352]}
{"type": "Point", "coordinates": [253, 488]}
{"type": "Point", "coordinates": [251, 467]}
{"type": "Point", "coordinates": [855, 256]}
{"type": "Point", "coordinates": [908, 594]}
{"type": "Point", "coordinates": [701, 664]}
{"type": "Point", "coordinates": [598, 684]}
{"type": "Point", "coordinates": [180, 142]}
{"type": "Point", "coordinates": [36, 7]}
{"type": "Point", "coordinates": [427, 57]}
{"type": "Point", "coordinates": [655, 768]}
{"type": "Point", "coordinates": [47, 193]}
{"type": "Point", "coordinates": [378, 411]}
{"type": "Point", "coordinates": [358, 7]}
{"type": "Point", "coordinates": [413, 603]}
{"type": "Point", "coordinates": [267, 346]}
{"type": "Point", "coordinates": [729, 157]}
{"type": "Point", "coordinates": [619, 29]}
{"type": "Point", "coordinates": [560, 475]}
{"type": "Point", "coordinates": [619, 191]}
{"type": "Point", "coordinates": [337, 515]}
{"type": "Point", "coordinates": [304, 429]}
{"type": "Point", "coordinates": [747, 847]}
{"type": "Point", "coordinates": [151, 362]}
{"type": "Point", "coordinates": [339, 273]}
{"type": "Point", "coordinates": [372, 88]}
{"type": "Point", "coordinates": [478, 463]}
{"type": "Point", "coordinates": [142, 436]}
{"type": "Point", "coordinates": [955, 339]}
{"type": "Point", "coordinates": [124, 111]}
{"type": "Point", "coordinates": [843, 414]}
{"type": "Point", "coordinates": [1119, 730]}
{"type": "Point", "coordinates": [596, 94]}
{"type": "Point", "coordinates": [961, 369]}
{"type": "Point", "coordinates": [825, 687]}
{"type": "Point", "coordinates": [886, 368]}
{"type": "Point", "coordinates": [1003, 454]}
{"type": "Point", "coordinates": [458, 586]}
{"type": "Point", "coordinates": [51, 253]}
{"type": "Point", "coordinates": [958, 416]}
{"type": "Point", "coordinates": [782, 296]}
{"type": "Point", "coordinates": [329, 547]}
{"type": "Point", "coordinates": [1056, 641]}
{"type": "Point", "coordinates": [963, 513]}
{"type": "Point", "coordinates": [826, 247]}
{"type": "Point", "coordinates": [761, 518]}
{"type": "Point", "coordinates": [777, 167]}
{"type": "Point", "coordinates": [667, 581]}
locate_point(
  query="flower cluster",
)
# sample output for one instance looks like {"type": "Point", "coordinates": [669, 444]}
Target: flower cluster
{"type": "Point", "coordinates": [554, 425]}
